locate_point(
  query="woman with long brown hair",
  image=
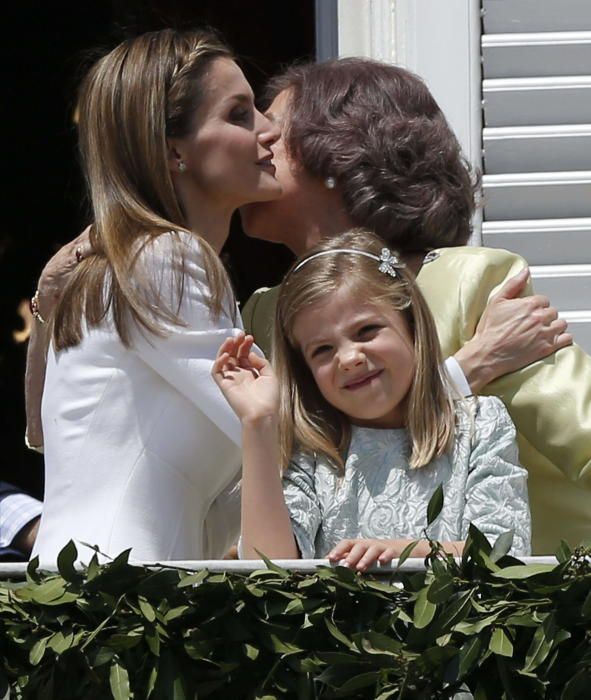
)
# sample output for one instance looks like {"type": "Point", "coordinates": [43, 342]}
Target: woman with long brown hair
{"type": "Point", "coordinates": [141, 450]}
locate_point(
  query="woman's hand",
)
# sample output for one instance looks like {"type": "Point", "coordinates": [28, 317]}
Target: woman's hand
{"type": "Point", "coordinates": [56, 273]}
{"type": "Point", "coordinates": [360, 554]}
{"type": "Point", "coordinates": [512, 333]}
{"type": "Point", "coordinates": [246, 379]}
{"type": "Point", "coordinates": [51, 284]}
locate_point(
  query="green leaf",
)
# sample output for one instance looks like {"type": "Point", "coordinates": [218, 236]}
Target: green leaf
{"type": "Point", "coordinates": [119, 682]}
{"type": "Point", "coordinates": [424, 609]}
{"type": "Point", "coordinates": [502, 546]}
{"type": "Point", "coordinates": [193, 579]}
{"type": "Point", "coordinates": [337, 634]}
{"type": "Point", "coordinates": [251, 652]}
{"type": "Point", "coordinates": [147, 610]}
{"type": "Point", "coordinates": [406, 552]}
{"type": "Point", "coordinates": [455, 612]}
{"type": "Point", "coordinates": [93, 568]}
{"type": "Point", "coordinates": [153, 641]}
{"type": "Point", "coordinates": [363, 680]}
{"type": "Point", "coordinates": [441, 589]}
{"type": "Point", "coordinates": [99, 657]}
{"type": "Point", "coordinates": [65, 562]}
{"type": "Point", "coordinates": [500, 643]}
{"type": "Point", "coordinates": [152, 678]}
{"type": "Point", "coordinates": [295, 606]}
{"type": "Point", "coordinates": [443, 640]}
{"type": "Point", "coordinates": [49, 590]}
{"type": "Point", "coordinates": [125, 640]}
{"type": "Point", "coordinates": [564, 552]}
{"type": "Point", "coordinates": [476, 543]}
{"type": "Point", "coordinates": [32, 570]}
{"type": "Point", "coordinates": [471, 628]}
{"type": "Point", "coordinates": [38, 650]}
{"type": "Point", "coordinates": [468, 656]}
{"type": "Point", "coordinates": [272, 566]}
{"type": "Point", "coordinates": [376, 643]}
{"type": "Point", "coordinates": [540, 646]}
{"type": "Point", "coordinates": [435, 504]}
{"type": "Point", "coordinates": [523, 571]}
{"type": "Point", "coordinates": [60, 642]}
{"type": "Point", "coordinates": [177, 612]}
{"type": "Point", "coordinates": [284, 648]}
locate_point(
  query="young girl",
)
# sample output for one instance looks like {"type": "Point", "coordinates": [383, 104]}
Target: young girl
{"type": "Point", "coordinates": [361, 420]}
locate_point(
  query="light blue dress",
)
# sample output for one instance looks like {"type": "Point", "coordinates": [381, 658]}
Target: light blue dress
{"type": "Point", "coordinates": [380, 497]}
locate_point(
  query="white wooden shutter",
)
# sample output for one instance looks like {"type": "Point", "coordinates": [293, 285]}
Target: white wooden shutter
{"type": "Point", "coordinates": [536, 59]}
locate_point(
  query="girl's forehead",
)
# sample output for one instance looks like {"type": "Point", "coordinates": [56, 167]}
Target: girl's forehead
{"type": "Point", "coordinates": [346, 302]}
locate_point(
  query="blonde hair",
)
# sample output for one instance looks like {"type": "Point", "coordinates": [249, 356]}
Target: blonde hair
{"type": "Point", "coordinates": [307, 421]}
{"type": "Point", "coordinates": [146, 89]}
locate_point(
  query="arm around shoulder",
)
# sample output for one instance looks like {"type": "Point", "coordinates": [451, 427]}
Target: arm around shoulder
{"type": "Point", "coordinates": [549, 400]}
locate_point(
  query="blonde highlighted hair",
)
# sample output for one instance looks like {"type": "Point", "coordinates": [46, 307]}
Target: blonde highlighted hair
{"type": "Point", "coordinates": [145, 90]}
{"type": "Point", "coordinates": [307, 421]}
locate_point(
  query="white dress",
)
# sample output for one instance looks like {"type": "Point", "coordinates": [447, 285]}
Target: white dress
{"type": "Point", "coordinates": [142, 451]}
{"type": "Point", "coordinates": [380, 497]}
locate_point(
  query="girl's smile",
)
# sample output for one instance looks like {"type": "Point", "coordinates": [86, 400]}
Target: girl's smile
{"type": "Point", "coordinates": [364, 380]}
{"type": "Point", "coordinates": [361, 356]}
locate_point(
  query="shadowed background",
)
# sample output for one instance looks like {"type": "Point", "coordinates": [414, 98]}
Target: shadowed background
{"type": "Point", "coordinates": [46, 48]}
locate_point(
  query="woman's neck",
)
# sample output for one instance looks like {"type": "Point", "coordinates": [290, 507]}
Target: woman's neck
{"type": "Point", "coordinates": [325, 223]}
{"type": "Point", "coordinates": [205, 218]}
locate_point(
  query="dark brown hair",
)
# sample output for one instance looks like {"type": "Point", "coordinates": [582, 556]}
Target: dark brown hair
{"type": "Point", "coordinates": [379, 132]}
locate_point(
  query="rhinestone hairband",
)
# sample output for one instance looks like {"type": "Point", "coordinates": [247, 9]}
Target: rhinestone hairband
{"type": "Point", "coordinates": [388, 260]}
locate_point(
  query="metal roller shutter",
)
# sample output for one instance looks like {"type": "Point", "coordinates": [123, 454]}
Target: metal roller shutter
{"type": "Point", "coordinates": [536, 57]}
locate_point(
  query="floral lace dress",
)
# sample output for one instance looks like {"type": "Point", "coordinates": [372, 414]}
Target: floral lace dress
{"type": "Point", "coordinates": [379, 496]}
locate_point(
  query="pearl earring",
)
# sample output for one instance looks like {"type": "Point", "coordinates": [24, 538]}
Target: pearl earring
{"type": "Point", "coordinates": [182, 166]}
{"type": "Point", "coordinates": [330, 183]}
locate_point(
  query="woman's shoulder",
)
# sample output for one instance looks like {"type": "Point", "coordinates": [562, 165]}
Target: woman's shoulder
{"type": "Point", "coordinates": [261, 302]}
{"type": "Point", "coordinates": [471, 254]}
{"type": "Point", "coordinates": [168, 248]}
{"type": "Point", "coordinates": [469, 275]}
{"type": "Point", "coordinates": [258, 314]}
{"type": "Point", "coordinates": [470, 262]}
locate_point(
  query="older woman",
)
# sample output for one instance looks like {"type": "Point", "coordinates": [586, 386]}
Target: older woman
{"type": "Point", "coordinates": [365, 144]}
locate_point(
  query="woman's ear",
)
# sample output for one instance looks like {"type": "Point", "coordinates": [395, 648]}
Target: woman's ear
{"type": "Point", "coordinates": [174, 151]}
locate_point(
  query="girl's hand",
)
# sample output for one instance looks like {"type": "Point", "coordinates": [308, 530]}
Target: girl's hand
{"type": "Point", "coordinates": [360, 554]}
{"type": "Point", "coordinates": [246, 380]}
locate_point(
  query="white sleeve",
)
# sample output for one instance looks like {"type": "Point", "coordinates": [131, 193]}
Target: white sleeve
{"type": "Point", "coordinates": [457, 376]}
{"type": "Point", "coordinates": [17, 509]}
{"type": "Point", "coordinates": [184, 356]}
